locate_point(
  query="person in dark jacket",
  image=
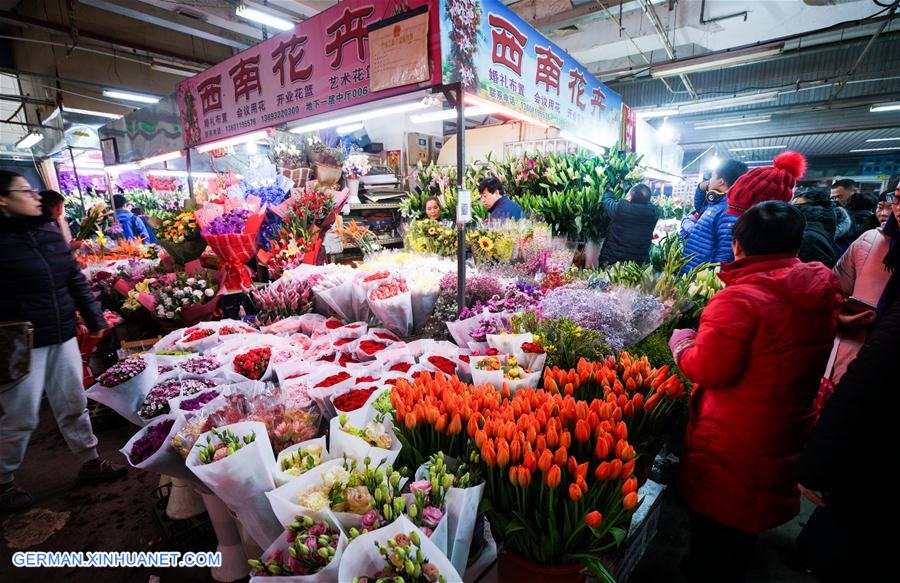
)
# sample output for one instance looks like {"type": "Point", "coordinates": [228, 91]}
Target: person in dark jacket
{"type": "Point", "coordinates": [45, 287]}
{"type": "Point", "coordinates": [818, 235]}
{"type": "Point", "coordinates": [842, 541]}
{"type": "Point", "coordinates": [132, 226]}
{"type": "Point", "coordinates": [631, 227]}
{"type": "Point", "coordinates": [497, 203]}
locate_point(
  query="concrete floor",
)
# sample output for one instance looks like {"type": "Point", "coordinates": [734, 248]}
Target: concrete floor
{"type": "Point", "coordinates": [119, 517]}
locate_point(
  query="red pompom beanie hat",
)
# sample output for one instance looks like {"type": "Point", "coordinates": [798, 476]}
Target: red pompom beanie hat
{"type": "Point", "coordinates": [769, 183]}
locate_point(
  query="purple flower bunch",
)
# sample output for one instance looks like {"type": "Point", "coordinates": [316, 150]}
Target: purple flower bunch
{"type": "Point", "coordinates": [593, 309]}
{"type": "Point", "coordinates": [122, 371]}
{"type": "Point", "coordinates": [271, 195]}
{"type": "Point", "coordinates": [518, 297]}
{"type": "Point", "coordinates": [479, 288]}
{"type": "Point", "coordinates": [228, 223]}
{"type": "Point", "coordinates": [197, 402]}
{"type": "Point", "coordinates": [199, 365]}
{"type": "Point", "coordinates": [156, 402]}
{"type": "Point", "coordinates": [150, 442]}
{"type": "Point", "coordinates": [489, 324]}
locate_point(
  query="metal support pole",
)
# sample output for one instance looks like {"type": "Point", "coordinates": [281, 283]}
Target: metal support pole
{"type": "Point", "coordinates": [77, 181]}
{"type": "Point", "coordinates": [190, 177]}
{"type": "Point", "coordinates": [460, 185]}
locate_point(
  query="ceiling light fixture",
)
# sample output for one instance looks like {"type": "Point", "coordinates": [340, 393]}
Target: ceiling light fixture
{"type": "Point", "coordinates": [883, 149]}
{"type": "Point", "coordinates": [175, 68]}
{"type": "Point", "coordinates": [29, 140]}
{"type": "Point", "coordinates": [732, 122]}
{"type": "Point", "coordinates": [235, 141]}
{"type": "Point", "coordinates": [92, 112]}
{"type": "Point", "coordinates": [160, 158]}
{"type": "Point", "coordinates": [182, 174]}
{"type": "Point", "coordinates": [447, 114]}
{"type": "Point", "coordinates": [759, 162]}
{"type": "Point", "coordinates": [665, 133]}
{"type": "Point", "coordinates": [713, 162]}
{"type": "Point", "coordinates": [359, 117]}
{"type": "Point", "coordinates": [720, 61]}
{"type": "Point", "coordinates": [885, 107]}
{"type": "Point", "coordinates": [349, 128]}
{"type": "Point", "coordinates": [263, 18]}
{"type": "Point", "coordinates": [883, 139]}
{"type": "Point", "coordinates": [117, 168]}
{"type": "Point", "coordinates": [130, 96]}
{"type": "Point", "coordinates": [708, 104]}
{"type": "Point", "coordinates": [755, 148]}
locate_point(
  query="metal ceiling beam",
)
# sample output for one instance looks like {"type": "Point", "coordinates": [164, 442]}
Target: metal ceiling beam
{"type": "Point", "coordinates": [173, 21]}
{"type": "Point", "coordinates": [25, 99]}
{"type": "Point", "coordinates": [52, 27]}
{"type": "Point", "coordinates": [670, 50]}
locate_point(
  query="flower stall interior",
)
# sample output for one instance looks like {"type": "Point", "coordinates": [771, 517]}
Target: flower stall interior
{"type": "Point", "coordinates": [295, 343]}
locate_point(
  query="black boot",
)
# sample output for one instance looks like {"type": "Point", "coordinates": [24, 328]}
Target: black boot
{"type": "Point", "coordinates": [100, 470]}
{"type": "Point", "coordinates": [13, 498]}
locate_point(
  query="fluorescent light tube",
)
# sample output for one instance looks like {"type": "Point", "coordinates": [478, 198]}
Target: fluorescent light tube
{"type": "Point", "coordinates": [235, 141]}
{"type": "Point", "coordinates": [759, 162]}
{"type": "Point", "coordinates": [882, 139]}
{"type": "Point", "coordinates": [885, 107]}
{"type": "Point", "coordinates": [160, 158]}
{"type": "Point", "coordinates": [755, 148]}
{"type": "Point", "coordinates": [651, 113]}
{"type": "Point", "coordinates": [181, 174]}
{"type": "Point", "coordinates": [92, 112]}
{"type": "Point", "coordinates": [29, 140]}
{"type": "Point", "coordinates": [448, 114]}
{"type": "Point", "coordinates": [117, 168]}
{"type": "Point", "coordinates": [175, 68]}
{"type": "Point", "coordinates": [349, 128]}
{"type": "Point", "coordinates": [708, 63]}
{"type": "Point", "coordinates": [262, 17]}
{"type": "Point", "coordinates": [883, 149]}
{"type": "Point", "coordinates": [750, 99]}
{"type": "Point", "coordinates": [358, 117]}
{"type": "Point", "coordinates": [129, 96]}
{"type": "Point", "coordinates": [732, 122]}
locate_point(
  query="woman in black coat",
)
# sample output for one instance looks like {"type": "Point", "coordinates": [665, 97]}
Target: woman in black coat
{"type": "Point", "coordinates": [43, 285]}
{"type": "Point", "coordinates": [818, 235]}
{"type": "Point", "coordinates": [851, 448]}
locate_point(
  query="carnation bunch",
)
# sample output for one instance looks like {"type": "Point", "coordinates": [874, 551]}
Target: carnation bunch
{"type": "Point", "coordinates": [122, 371]}
{"type": "Point", "coordinates": [149, 443]}
{"type": "Point", "coordinates": [156, 402]}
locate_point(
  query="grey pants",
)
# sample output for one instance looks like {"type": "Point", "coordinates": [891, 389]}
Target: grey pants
{"type": "Point", "coordinates": [58, 368]}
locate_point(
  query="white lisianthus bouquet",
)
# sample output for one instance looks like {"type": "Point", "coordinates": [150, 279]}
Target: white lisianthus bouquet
{"type": "Point", "coordinates": [183, 291]}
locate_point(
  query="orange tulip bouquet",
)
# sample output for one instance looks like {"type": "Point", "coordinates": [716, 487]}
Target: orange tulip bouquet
{"type": "Point", "coordinates": [559, 477]}
{"type": "Point", "coordinates": [649, 398]}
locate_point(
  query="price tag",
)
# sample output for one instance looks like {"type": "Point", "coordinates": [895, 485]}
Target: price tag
{"type": "Point", "coordinates": [463, 206]}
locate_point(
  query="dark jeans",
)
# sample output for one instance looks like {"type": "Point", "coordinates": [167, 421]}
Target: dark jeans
{"type": "Point", "coordinates": [719, 553]}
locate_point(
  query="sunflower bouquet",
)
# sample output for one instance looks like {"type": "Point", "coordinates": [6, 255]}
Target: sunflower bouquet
{"type": "Point", "coordinates": [179, 235]}
{"type": "Point", "coordinates": [429, 236]}
{"type": "Point", "coordinates": [490, 245]}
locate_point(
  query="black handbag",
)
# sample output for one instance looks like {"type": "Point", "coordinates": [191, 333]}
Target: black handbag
{"type": "Point", "coordinates": [16, 342]}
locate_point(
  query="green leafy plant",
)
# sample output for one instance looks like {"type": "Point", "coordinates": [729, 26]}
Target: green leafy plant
{"type": "Point", "coordinates": [564, 341]}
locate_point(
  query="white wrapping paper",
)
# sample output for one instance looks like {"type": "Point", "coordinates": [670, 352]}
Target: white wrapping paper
{"type": "Point", "coordinates": [165, 460]}
{"type": "Point", "coordinates": [242, 479]}
{"type": "Point", "coordinates": [282, 477]}
{"type": "Point", "coordinates": [395, 313]}
{"type": "Point", "coordinates": [328, 574]}
{"type": "Point", "coordinates": [342, 443]}
{"type": "Point", "coordinates": [126, 398]}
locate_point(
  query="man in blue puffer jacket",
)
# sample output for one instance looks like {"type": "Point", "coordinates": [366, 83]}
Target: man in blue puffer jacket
{"type": "Point", "coordinates": [709, 240]}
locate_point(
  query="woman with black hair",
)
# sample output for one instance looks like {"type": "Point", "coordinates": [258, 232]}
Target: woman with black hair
{"type": "Point", "coordinates": [45, 287]}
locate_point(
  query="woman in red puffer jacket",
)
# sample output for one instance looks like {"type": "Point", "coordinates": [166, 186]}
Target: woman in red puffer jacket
{"type": "Point", "coordinates": [756, 359]}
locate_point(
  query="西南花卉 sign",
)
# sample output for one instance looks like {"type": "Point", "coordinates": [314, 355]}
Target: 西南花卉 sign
{"type": "Point", "coordinates": [321, 65]}
{"type": "Point", "coordinates": [501, 58]}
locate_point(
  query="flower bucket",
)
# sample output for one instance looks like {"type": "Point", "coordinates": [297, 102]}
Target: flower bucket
{"type": "Point", "coordinates": [514, 567]}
